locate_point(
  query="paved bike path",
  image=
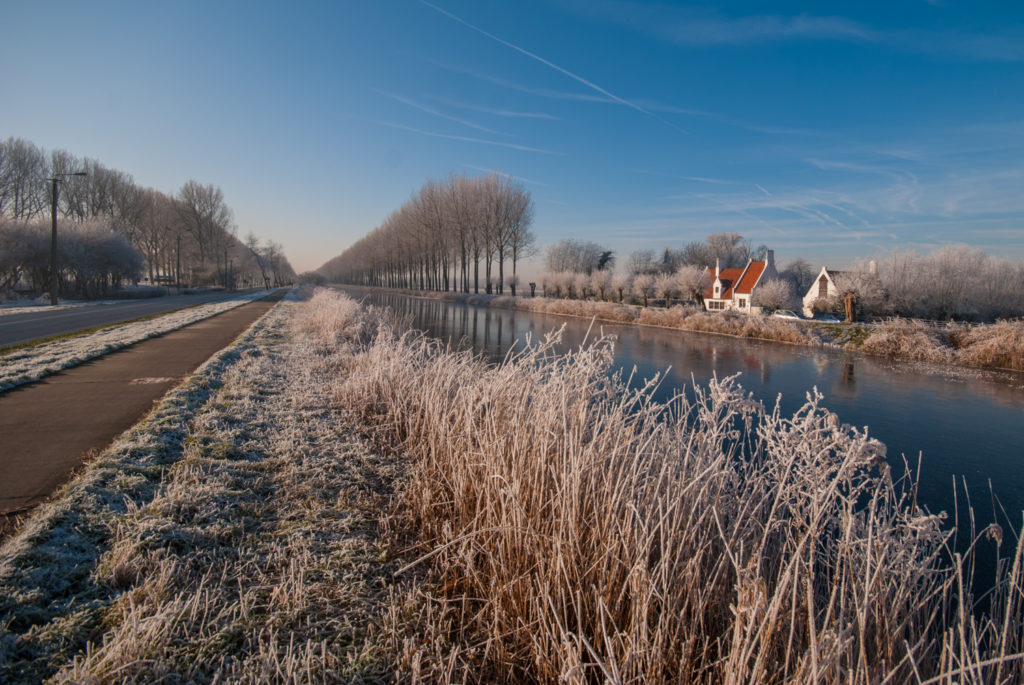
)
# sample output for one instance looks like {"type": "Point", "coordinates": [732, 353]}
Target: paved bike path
{"type": "Point", "coordinates": [47, 428]}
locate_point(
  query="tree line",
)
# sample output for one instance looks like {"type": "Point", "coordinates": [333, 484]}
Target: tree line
{"type": "Point", "coordinates": [951, 282]}
{"type": "Point", "coordinates": [454, 234]}
{"type": "Point", "coordinates": [112, 231]}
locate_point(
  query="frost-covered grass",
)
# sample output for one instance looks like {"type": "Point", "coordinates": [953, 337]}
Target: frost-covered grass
{"type": "Point", "coordinates": [28, 364]}
{"type": "Point", "coordinates": [554, 526]}
{"type": "Point", "coordinates": [233, 536]}
{"type": "Point", "coordinates": [573, 529]}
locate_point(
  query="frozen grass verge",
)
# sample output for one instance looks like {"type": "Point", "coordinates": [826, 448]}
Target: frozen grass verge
{"type": "Point", "coordinates": [573, 529]}
{"type": "Point", "coordinates": [29, 364]}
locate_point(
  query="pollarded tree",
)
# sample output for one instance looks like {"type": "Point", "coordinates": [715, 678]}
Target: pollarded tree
{"type": "Point", "coordinates": [621, 283]}
{"type": "Point", "coordinates": [665, 286]}
{"type": "Point", "coordinates": [691, 281]}
{"type": "Point", "coordinates": [600, 281]}
{"type": "Point", "coordinates": [860, 289]}
{"type": "Point", "coordinates": [580, 283]}
{"type": "Point", "coordinates": [643, 286]}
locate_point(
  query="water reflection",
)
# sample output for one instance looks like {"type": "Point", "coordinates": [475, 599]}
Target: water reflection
{"type": "Point", "coordinates": [964, 422]}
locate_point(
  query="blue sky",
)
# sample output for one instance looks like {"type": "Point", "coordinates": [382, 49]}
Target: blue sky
{"type": "Point", "coordinates": [827, 131]}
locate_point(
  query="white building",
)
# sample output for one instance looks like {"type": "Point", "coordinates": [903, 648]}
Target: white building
{"type": "Point", "coordinates": [824, 287]}
{"type": "Point", "coordinates": [733, 289]}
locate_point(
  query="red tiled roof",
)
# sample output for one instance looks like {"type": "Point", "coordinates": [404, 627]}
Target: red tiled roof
{"type": "Point", "coordinates": [746, 284]}
{"type": "Point", "coordinates": [727, 277]}
{"type": "Point", "coordinates": [744, 280]}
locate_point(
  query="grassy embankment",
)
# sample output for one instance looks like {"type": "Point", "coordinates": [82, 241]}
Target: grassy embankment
{"type": "Point", "coordinates": [998, 346]}
{"type": "Point", "coordinates": [234, 535]}
{"type": "Point", "coordinates": [558, 526]}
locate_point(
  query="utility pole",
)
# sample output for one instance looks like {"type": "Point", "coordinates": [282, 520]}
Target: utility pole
{"type": "Point", "coordinates": [53, 235]}
{"type": "Point", "coordinates": [177, 271]}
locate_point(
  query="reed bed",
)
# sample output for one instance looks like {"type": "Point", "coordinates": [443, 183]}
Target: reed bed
{"type": "Point", "coordinates": [573, 528]}
{"type": "Point", "coordinates": [998, 345]}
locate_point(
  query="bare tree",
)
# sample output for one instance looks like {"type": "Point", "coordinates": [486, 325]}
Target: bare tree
{"type": "Point", "coordinates": [640, 262]}
{"type": "Point", "coordinates": [799, 274]}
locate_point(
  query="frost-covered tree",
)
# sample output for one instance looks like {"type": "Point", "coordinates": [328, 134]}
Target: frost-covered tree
{"type": "Point", "coordinates": [600, 281]}
{"type": "Point", "coordinates": [774, 294]}
{"type": "Point", "coordinates": [859, 290]}
{"type": "Point", "coordinates": [665, 287]}
{"type": "Point", "coordinates": [643, 286]}
{"type": "Point", "coordinates": [691, 281]}
{"type": "Point", "coordinates": [580, 283]}
{"type": "Point", "coordinates": [621, 284]}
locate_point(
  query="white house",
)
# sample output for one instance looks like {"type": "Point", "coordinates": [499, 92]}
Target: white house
{"type": "Point", "coordinates": [733, 289]}
{"type": "Point", "coordinates": [824, 286]}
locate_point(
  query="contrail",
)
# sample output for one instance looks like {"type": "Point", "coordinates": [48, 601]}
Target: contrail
{"type": "Point", "coordinates": [467, 139]}
{"type": "Point", "coordinates": [592, 86]}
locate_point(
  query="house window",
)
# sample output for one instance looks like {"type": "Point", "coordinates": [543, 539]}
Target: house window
{"type": "Point", "coordinates": [743, 302]}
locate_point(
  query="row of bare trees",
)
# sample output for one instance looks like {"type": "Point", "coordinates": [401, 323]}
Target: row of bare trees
{"type": "Point", "coordinates": [185, 238]}
{"type": "Point", "coordinates": [443, 236]}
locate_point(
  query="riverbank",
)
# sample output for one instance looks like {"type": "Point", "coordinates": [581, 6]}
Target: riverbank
{"type": "Point", "coordinates": [990, 346]}
{"type": "Point", "coordinates": [333, 498]}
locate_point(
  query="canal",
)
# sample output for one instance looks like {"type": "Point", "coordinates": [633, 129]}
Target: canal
{"type": "Point", "coordinates": [965, 425]}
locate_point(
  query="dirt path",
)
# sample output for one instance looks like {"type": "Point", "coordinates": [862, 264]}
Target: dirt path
{"type": "Point", "coordinates": [47, 428]}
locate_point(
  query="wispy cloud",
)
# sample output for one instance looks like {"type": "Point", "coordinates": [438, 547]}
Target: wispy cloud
{"type": "Point", "coordinates": [589, 84]}
{"type": "Point", "coordinates": [497, 112]}
{"type": "Point", "coordinates": [529, 90]}
{"type": "Point", "coordinates": [431, 110]}
{"type": "Point", "coordinates": [698, 179]}
{"type": "Point", "coordinates": [504, 173]}
{"type": "Point", "coordinates": [467, 139]}
{"type": "Point", "coordinates": [697, 27]}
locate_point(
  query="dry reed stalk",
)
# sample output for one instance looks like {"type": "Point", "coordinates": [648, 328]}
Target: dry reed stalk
{"type": "Point", "coordinates": [580, 530]}
{"type": "Point", "coordinates": [999, 345]}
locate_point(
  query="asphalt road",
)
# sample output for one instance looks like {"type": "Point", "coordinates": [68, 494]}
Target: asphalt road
{"type": "Point", "coordinates": [48, 427]}
{"type": "Point", "coordinates": [19, 328]}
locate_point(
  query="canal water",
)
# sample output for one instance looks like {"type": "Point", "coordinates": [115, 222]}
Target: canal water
{"type": "Point", "coordinates": [964, 424]}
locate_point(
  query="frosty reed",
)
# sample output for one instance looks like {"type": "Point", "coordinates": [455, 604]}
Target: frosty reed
{"type": "Point", "coordinates": [573, 527]}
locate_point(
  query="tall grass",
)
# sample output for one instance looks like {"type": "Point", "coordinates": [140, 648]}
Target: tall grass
{"type": "Point", "coordinates": [577, 529]}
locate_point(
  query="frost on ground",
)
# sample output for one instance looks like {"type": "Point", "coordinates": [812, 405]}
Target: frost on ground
{"type": "Point", "coordinates": [233, 535]}
{"type": "Point", "coordinates": [16, 307]}
{"type": "Point", "coordinates": [29, 364]}
{"type": "Point", "coordinates": [565, 528]}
